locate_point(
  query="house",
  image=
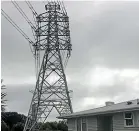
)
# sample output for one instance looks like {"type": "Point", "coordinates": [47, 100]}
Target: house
{"type": "Point", "coordinates": [112, 117]}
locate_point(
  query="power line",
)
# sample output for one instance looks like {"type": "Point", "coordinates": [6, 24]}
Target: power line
{"type": "Point", "coordinates": [31, 7]}
{"type": "Point", "coordinates": [44, 2]}
{"type": "Point", "coordinates": [35, 14]}
{"type": "Point", "coordinates": [37, 54]}
{"type": "Point", "coordinates": [25, 17]}
{"type": "Point", "coordinates": [66, 61]}
{"type": "Point", "coordinates": [23, 14]}
{"type": "Point", "coordinates": [31, 43]}
{"type": "Point", "coordinates": [64, 7]}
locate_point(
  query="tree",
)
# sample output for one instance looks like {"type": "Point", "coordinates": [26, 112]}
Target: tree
{"type": "Point", "coordinates": [12, 118]}
{"type": "Point", "coordinates": [46, 126]}
{"type": "Point", "coordinates": [18, 127]}
{"type": "Point", "coordinates": [62, 125]}
{"type": "Point", "coordinates": [4, 126]}
{"type": "Point", "coordinates": [15, 122]}
{"type": "Point", "coordinates": [53, 125]}
{"type": "Point", "coordinates": [3, 94]}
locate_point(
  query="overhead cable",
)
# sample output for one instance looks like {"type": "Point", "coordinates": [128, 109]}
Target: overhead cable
{"type": "Point", "coordinates": [25, 17]}
{"type": "Point", "coordinates": [35, 14]}
{"type": "Point", "coordinates": [19, 30]}
{"type": "Point", "coordinates": [23, 14]}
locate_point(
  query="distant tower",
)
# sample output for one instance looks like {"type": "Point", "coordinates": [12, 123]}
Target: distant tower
{"type": "Point", "coordinates": [51, 91]}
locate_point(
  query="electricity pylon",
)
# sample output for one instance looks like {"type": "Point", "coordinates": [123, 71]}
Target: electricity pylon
{"type": "Point", "coordinates": [51, 91]}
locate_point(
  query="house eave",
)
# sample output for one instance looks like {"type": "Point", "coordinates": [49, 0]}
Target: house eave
{"type": "Point", "coordinates": [97, 113]}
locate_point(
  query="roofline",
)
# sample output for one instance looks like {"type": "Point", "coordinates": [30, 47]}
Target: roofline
{"type": "Point", "coordinates": [97, 113]}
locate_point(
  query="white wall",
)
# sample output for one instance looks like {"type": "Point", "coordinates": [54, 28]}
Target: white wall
{"type": "Point", "coordinates": [118, 122]}
{"type": "Point", "coordinates": [72, 124]}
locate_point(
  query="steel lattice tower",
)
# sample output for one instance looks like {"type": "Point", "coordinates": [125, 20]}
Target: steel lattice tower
{"type": "Point", "coordinates": [51, 91]}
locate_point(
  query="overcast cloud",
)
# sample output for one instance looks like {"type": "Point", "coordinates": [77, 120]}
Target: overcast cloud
{"type": "Point", "coordinates": [104, 64]}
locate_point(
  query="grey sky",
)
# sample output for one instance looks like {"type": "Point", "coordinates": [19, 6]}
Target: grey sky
{"type": "Point", "coordinates": [104, 63]}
